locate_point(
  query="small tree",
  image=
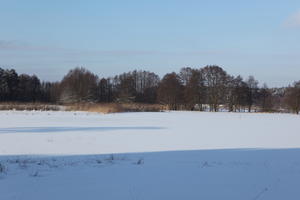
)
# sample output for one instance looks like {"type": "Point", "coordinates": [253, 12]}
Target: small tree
{"type": "Point", "coordinates": [252, 94]}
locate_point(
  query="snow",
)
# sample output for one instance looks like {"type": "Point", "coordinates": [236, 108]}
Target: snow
{"type": "Point", "coordinates": [166, 155]}
{"type": "Point", "coordinates": [75, 133]}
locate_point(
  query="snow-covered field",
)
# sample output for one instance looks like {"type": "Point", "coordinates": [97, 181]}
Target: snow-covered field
{"type": "Point", "coordinates": [167, 155]}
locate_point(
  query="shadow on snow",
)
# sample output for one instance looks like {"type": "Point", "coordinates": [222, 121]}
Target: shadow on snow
{"type": "Point", "coordinates": [70, 129]}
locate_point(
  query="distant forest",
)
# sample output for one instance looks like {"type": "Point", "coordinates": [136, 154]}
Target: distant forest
{"type": "Point", "coordinates": [208, 88]}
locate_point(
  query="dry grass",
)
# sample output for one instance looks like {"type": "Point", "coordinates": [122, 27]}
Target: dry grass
{"type": "Point", "coordinates": [29, 106]}
{"type": "Point", "coordinates": [139, 107]}
{"type": "Point", "coordinates": [100, 108]}
{"type": "Point", "coordinates": [115, 107]}
{"type": "Point", "coordinates": [88, 107]}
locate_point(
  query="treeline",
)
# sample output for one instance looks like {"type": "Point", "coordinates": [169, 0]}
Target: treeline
{"type": "Point", "coordinates": [208, 88]}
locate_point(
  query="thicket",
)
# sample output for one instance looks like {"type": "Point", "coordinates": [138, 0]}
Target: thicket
{"type": "Point", "coordinates": [208, 88]}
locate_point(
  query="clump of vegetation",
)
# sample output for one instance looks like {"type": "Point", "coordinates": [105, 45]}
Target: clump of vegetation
{"type": "Point", "coordinates": [2, 168]}
{"type": "Point", "coordinates": [35, 174]}
{"type": "Point", "coordinates": [111, 158]}
{"type": "Point", "coordinates": [140, 161]}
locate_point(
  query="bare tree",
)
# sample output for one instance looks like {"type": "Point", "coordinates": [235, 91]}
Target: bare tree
{"type": "Point", "coordinates": [79, 85]}
{"type": "Point", "coordinates": [194, 90]}
{"type": "Point", "coordinates": [252, 92]}
{"type": "Point", "coordinates": [185, 75]}
{"type": "Point", "coordinates": [292, 97]}
{"type": "Point", "coordinates": [265, 99]}
{"type": "Point", "coordinates": [29, 88]}
{"type": "Point", "coordinates": [170, 91]}
{"type": "Point", "coordinates": [215, 79]}
{"type": "Point", "coordinates": [237, 93]}
{"type": "Point", "coordinates": [136, 86]}
{"type": "Point", "coordinates": [104, 93]}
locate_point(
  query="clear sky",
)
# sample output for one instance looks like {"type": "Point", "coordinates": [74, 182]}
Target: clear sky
{"type": "Point", "coordinates": [49, 37]}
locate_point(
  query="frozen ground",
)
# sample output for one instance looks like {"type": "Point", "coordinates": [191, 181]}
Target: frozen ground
{"type": "Point", "coordinates": [170, 155]}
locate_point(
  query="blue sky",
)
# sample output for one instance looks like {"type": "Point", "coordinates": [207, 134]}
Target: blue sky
{"type": "Point", "coordinates": [47, 38]}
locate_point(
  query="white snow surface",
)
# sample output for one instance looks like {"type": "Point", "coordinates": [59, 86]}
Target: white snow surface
{"type": "Point", "coordinates": [146, 156]}
{"type": "Point", "coordinates": [66, 133]}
